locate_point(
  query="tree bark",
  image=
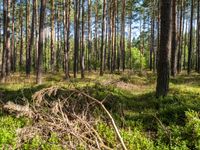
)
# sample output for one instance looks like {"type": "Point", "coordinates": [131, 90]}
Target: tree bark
{"type": "Point", "coordinates": [198, 36]}
{"type": "Point", "coordinates": [41, 42]}
{"type": "Point", "coordinates": [102, 37]}
{"type": "Point", "coordinates": [190, 41]}
{"type": "Point", "coordinates": [28, 52]}
{"type": "Point", "coordinates": [53, 52]}
{"type": "Point", "coordinates": [82, 44]}
{"type": "Point", "coordinates": [165, 45]}
{"type": "Point", "coordinates": [122, 39]}
{"type": "Point", "coordinates": [174, 39]}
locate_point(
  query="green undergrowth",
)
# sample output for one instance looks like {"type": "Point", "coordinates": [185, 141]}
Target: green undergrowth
{"type": "Point", "coordinates": [145, 122]}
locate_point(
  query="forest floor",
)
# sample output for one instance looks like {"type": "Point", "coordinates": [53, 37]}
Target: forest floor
{"type": "Point", "coordinates": [144, 121]}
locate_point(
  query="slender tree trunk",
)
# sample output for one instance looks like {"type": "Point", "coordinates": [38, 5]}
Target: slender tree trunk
{"type": "Point", "coordinates": [106, 38]}
{"type": "Point", "coordinates": [122, 39]}
{"type": "Point", "coordinates": [53, 52]}
{"type": "Point", "coordinates": [76, 36]}
{"type": "Point", "coordinates": [102, 37]}
{"type": "Point", "coordinates": [181, 24]}
{"type": "Point", "coordinates": [190, 42]}
{"type": "Point", "coordinates": [82, 44]}
{"type": "Point", "coordinates": [174, 39]}
{"type": "Point", "coordinates": [8, 49]}
{"type": "Point", "coordinates": [152, 44]}
{"type": "Point", "coordinates": [21, 30]}
{"type": "Point", "coordinates": [31, 42]}
{"type": "Point", "coordinates": [113, 55]}
{"type": "Point", "coordinates": [158, 35]}
{"type": "Point", "coordinates": [28, 52]}
{"type": "Point", "coordinates": [13, 38]}
{"type": "Point", "coordinates": [165, 45]}
{"type": "Point", "coordinates": [109, 37]}
{"type": "Point", "coordinates": [5, 38]}
{"type": "Point", "coordinates": [185, 45]}
{"type": "Point", "coordinates": [41, 42]}
{"type": "Point", "coordinates": [130, 41]}
{"type": "Point", "coordinates": [36, 37]}
{"type": "Point", "coordinates": [198, 36]}
{"type": "Point", "coordinates": [58, 41]}
{"type": "Point", "coordinates": [89, 36]}
{"type": "Point", "coordinates": [67, 46]}
{"type": "Point", "coordinates": [96, 60]}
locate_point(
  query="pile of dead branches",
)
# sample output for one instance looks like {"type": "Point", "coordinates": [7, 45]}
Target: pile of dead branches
{"type": "Point", "coordinates": [68, 113]}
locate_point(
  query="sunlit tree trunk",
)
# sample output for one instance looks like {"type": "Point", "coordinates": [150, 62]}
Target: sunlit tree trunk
{"type": "Point", "coordinates": [82, 42]}
{"type": "Point", "coordinates": [41, 42]}
{"type": "Point", "coordinates": [53, 52]}
{"type": "Point", "coordinates": [102, 37]}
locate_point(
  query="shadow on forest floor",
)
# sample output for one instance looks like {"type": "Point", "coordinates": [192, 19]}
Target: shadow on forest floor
{"type": "Point", "coordinates": [140, 107]}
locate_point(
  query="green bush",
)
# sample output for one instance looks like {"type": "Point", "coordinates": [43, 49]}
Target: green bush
{"type": "Point", "coordinates": [138, 60]}
{"type": "Point", "coordinates": [8, 127]}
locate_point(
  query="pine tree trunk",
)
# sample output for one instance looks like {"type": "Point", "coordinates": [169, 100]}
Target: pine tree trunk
{"type": "Point", "coordinates": [41, 42]}
{"type": "Point", "coordinates": [102, 37]}
{"type": "Point", "coordinates": [13, 57]}
{"type": "Point", "coordinates": [53, 52]}
{"type": "Point", "coordinates": [76, 36]}
{"type": "Point", "coordinates": [198, 36]}
{"type": "Point", "coordinates": [67, 32]}
{"type": "Point", "coordinates": [89, 36]}
{"type": "Point", "coordinates": [28, 52]}
{"type": "Point", "coordinates": [165, 45]}
{"type": "Point", "coordinates": [174, 40]}
{"type": "Point", "coordinates": [122, 40]}
{"type": "Point", "coordinates": [8, 49]}
{"type": "Point", "coordinates": [190, 41]}
{"type": "Point", "coordinates": [181, 27]}
{"type": "Point", "coordinates": [21, 43]}
{"type": "Point", "coordinates": [82, 44]}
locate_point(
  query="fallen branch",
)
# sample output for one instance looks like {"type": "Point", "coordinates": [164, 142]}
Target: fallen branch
{"type": "Point", "coordinates": [110, 117]}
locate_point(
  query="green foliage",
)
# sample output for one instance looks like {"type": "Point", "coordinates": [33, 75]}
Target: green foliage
{"type": "Point", "coordinates": [8, 127]}
{"type": "Point", "coordinates": [138, 60]}
{"type": "Point", "coordinates": [193, 129]}
{"type": "Point", "coordinates": [134, 139]}
{"type": "Point", "coordinates": [133, 109]}
{"type": "Point", "coordinates": [53, 143]}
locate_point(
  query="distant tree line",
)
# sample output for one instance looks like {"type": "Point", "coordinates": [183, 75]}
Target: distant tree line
{"type": "Point", "coordinates": [101, 35]}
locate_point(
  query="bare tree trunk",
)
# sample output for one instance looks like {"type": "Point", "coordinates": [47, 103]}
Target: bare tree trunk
{"type": "Point", "coordinates": [190, 42]}
{"type": "Point", "coordinates": [53, 52]}
{"type": "Point", "coordinates": [8, 49]}
{"type": "Point", "coordinates": [5, 28]}
{"type": "Point", "coordinates": [21, 43]}
{"type": "Point", "coordinates": [13, 56]}
{"type": "Point", "coordinates": [102, 37]}
{"type": "Point", "coordinates": [89, 36]}
{"type": "Point", "coordinates": [198, 36]}
{"type": "Point", "coordinates": [67, 46]}
{"type": "Point", "coordinates": [181, 24]}
{"type": "Point", "coordinates": [82, 43]}
{"type": "Point", "coordinates": [41, 42]}
{"type": "Point", "coordinates": [165, 45]}
{"type": "Point", "coordinates": [174, 39]}
{"type": "Point", "coordinates": [28, 52]}
{"type": "Point", "coordinates": [185, 45]}
{"type": "Point", "coordinates": [31, 42]}
{"type": "Point", "coordinates": [76, 35]}
{"type": "Point", "coordinates": [122, 39]}
{"type": "Point", "coordinates": [130, 42]}
{"type": "Point", "coordinates": [96, 36]}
